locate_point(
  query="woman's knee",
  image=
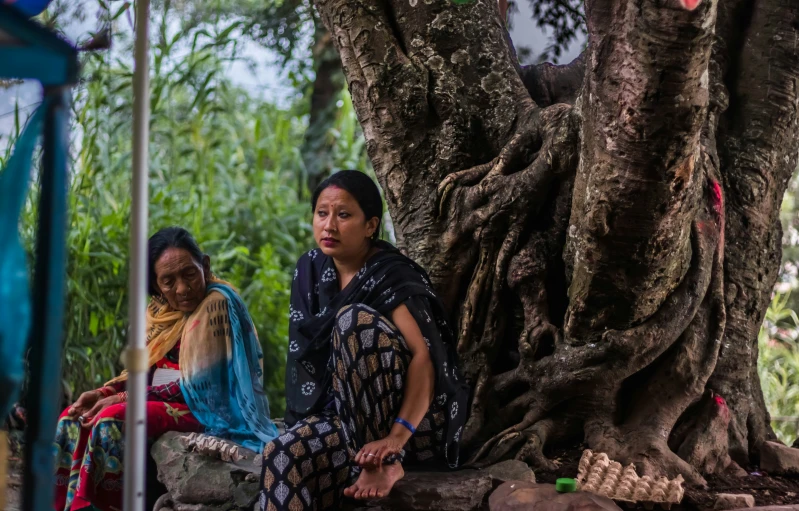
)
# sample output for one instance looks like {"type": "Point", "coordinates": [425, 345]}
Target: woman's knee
{"type": "Point", "coordinates": [354, 322]}
{"type": "Point", "coordinates": [352, 317]}
{"type": "Point", "coordinates": [357, 318]}
{"type": "Point", "coordinates": [280, 445]}
{"type": "Point", "coordinates": [116, 411]}
{"type": "Point", "coordinates": [65, 414]}
{"type": "Point", "coordinates": [280, 455]}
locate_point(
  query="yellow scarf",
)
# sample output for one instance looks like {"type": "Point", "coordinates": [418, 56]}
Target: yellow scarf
{"type": "Point", "coordinates": [164, 330]}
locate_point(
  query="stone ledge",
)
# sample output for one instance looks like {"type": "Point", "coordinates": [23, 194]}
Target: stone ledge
{"type": "Point", "coordinates": [462, 490]}
{"type": "Point", "coordinates": [196, 482]}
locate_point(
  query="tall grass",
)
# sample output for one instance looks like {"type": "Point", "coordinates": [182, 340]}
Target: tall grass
{"type": "Point", "coordinates": [778, 366]}
{"type": "Point", "coordinates": [223, 163]}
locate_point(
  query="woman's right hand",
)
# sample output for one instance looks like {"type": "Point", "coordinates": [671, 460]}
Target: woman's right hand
{"type": "Point", "coordinates": [84, 403]}
{"type": "Point", "coordinates": [91, 415]}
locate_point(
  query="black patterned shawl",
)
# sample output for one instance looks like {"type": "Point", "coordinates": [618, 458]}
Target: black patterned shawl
{"type": "Point", "coordinates": [387, 280]}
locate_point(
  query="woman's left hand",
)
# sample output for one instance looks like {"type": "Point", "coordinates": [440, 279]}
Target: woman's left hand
{"type": "Point", "coordinates": [90, 416]}
{"type": "Point", "coordinates": [372, 454]}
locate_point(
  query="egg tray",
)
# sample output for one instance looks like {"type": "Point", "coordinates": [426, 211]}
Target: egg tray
{"type": "Point", "coordinates": [600, 475]}
{"type": "Point", "coordinates": [214, 447]}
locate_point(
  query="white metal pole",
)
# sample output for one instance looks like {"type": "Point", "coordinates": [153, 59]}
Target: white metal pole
{"type": "Point", "coordinates": [136, 355]}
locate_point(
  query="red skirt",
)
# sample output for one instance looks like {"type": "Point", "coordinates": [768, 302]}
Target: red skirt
{"type": "Point", "coordinates": [89, 462]}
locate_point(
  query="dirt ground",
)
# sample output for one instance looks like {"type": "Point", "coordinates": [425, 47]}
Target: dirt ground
{"type": "Point", "coordinates": [14, 476]}
{"type": "Point", "coordinates": [767, 490]}
{"type": "Point", "coordinates": [14, 487]}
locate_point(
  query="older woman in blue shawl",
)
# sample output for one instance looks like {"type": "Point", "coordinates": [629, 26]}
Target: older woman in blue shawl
{"type": "Point", "coordinates": [205, 375]}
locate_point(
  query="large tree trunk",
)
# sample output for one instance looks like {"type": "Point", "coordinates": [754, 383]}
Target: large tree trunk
{"type": "Point", "coordinates": [605, 233]}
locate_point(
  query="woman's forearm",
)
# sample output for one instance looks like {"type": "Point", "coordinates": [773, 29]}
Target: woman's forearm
{"type": "Point", "coordinates": [419, 387]}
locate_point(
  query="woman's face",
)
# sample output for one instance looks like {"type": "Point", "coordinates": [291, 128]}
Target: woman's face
{"type": "Point", "coordinates": [340, 227]}
{"type": "Point", "coordinates": [181, 279]}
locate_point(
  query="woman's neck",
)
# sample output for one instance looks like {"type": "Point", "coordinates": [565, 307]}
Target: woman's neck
{"type": "Point", "coordinates": [348, 268]}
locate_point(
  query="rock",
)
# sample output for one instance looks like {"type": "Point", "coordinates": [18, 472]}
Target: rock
{"type": "Point", "coordinates": [727, 501]}
{"type": "Point", "coordinates": [464, 490]}
{"type": "Point", "coordinates": [164, 503]}
{"type": "Point", "coordinates": [779, 459]}
{"type": "Point", "coordinates": [201, 483]}
{"type": "Point", "coordinates": [461, 490]}
{"type": "Point", "coordinates": [525, 496]}
{"type": "Point", "coordinates": [510, 470]}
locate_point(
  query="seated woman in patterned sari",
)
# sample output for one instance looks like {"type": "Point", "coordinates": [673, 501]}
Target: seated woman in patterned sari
{"type": "Point", "coordinates": [371, 377]}
{"type": "Point", "coordinates": [205, 375]}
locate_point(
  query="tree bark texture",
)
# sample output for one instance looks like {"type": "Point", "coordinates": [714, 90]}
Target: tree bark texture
{"type": "Point", "coordinates": [604, 233]}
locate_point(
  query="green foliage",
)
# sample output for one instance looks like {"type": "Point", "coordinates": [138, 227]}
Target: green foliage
{"type": "Point", "coordinates": [284, 26]}
{"type": "Point", "coordinates": [223, 164]}
{"type": "Point", "coordinates": [778, 366]}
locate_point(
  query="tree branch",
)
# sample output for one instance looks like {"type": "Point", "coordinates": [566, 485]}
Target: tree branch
{"type": "Point", "coordinates": [549, 84]}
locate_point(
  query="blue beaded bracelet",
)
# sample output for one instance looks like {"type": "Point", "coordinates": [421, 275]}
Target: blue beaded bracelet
{"type": "Point", "coordinates": [406, 424]}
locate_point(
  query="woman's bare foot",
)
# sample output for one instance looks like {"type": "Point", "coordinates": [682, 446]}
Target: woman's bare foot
{"type": "Point", "coordinates": [375, 483]}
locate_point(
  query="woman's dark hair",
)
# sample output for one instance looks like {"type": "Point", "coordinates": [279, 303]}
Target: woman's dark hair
{"type": "Point", "coordinates": [166, 238]}
{"type": "Point", "coordinates": [360, 186]}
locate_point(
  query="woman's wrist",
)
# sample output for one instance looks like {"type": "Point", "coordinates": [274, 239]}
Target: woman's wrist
{"type": "Point", "coordinates": [400, 433]}
{"type": "Point", "coordinates": [407, 425]}
{"type": "Point", "coordinates": [106, 391]}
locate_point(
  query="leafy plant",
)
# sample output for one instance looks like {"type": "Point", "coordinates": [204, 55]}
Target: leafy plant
{"type": "Point", "coordinates": [778, 366]}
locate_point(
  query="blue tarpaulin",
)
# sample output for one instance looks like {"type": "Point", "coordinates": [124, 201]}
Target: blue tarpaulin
{"type": "Point", "coordinates": [31, 51]}
{"type": "Point", "coordinates": [29, 7]}
{"type": "Point", "coordinates": [15, 303]}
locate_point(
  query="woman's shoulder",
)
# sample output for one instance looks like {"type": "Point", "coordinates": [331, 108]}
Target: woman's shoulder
{"type": "Point", "coordinates": [399, 263]}
{"type": "Point", "coordinates": [214, 301]}
{"type": "Point", "coordinates": [310, 258]}
{"type": "Point", "coordinates": [310, 255]}
{"type": "Point", "coordinates": [214, 296]}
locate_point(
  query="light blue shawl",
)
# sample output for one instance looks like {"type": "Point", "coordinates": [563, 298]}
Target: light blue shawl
{"type": "Point", "coordinates": [227, 396]}
{"type": "Point", "coordinates": [15, 302]}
